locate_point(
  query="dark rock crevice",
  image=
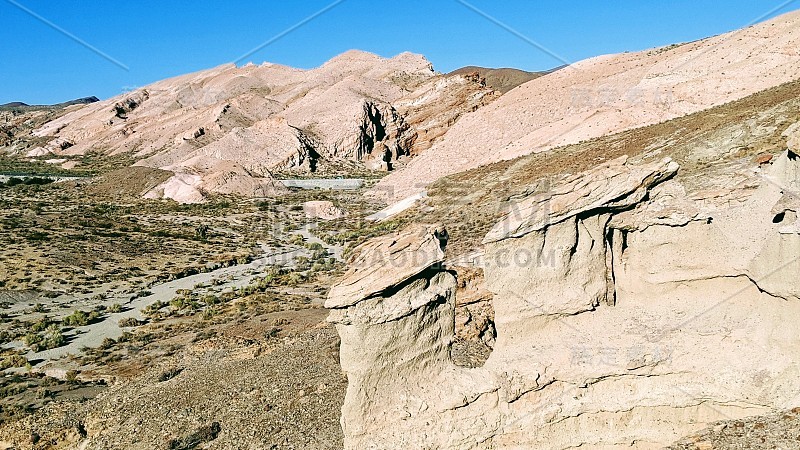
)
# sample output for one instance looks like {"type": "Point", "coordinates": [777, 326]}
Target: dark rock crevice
{"type": "Point", "coordinates": [128, 104]}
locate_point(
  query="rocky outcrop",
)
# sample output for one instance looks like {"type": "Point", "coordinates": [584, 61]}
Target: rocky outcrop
{"type": "Point", "coordinates": [379, 133]}
{"type": "Point", "coordinates": [320, 209]}
{"type": "Point", "coordinates": [501, 80]}
{"type": "Point", "coordinates": [395, 288]}
{"type": "Point", "coordinates": [129, 103]}
{"type": "Point", "coordinates": [627, 314]}
{"type": "Point", "coordinates": [436, 106]}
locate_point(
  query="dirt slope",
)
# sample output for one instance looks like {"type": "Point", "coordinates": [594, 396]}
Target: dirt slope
{"type": "Point", "coordinates": [710, 146]}
{"type": "Point", "coordinates": [612, 93]}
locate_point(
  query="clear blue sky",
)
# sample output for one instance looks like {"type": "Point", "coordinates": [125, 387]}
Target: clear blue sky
{"type": "Point", "coordinates": [159, 39]}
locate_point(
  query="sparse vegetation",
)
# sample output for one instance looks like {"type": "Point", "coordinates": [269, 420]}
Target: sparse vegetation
{"type": "Point", "coordinates": [49, 339]}
{"type": "Point", "coordinates": [129, 322]}
{"type": "Point", "coordinates": [81, 318]}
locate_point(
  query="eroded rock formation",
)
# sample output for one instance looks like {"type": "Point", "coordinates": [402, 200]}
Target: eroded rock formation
{"type": "Point", "coordinates": [628, 311]}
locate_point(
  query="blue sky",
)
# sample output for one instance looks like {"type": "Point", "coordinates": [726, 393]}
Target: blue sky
{"type": "Point", "coordinates": [159, 39]}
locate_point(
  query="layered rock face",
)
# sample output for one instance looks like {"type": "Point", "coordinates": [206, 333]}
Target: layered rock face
{"type": "Point", "coordinates": [228, 129]}
{"type": "Point", "coordinates": [394, 289]}
{"type": "Point", "coordinates": [628, 312]}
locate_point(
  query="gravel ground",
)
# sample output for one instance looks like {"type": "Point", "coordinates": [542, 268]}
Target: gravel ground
{"type": "Point", "coordinates": [276, 393]}
{"type": "Point", "coordinates": [777, 431]}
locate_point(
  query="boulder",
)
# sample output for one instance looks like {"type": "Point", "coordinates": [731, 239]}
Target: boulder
{"type": "Point", "coordinates": [394, 314]}
{"type": "Point", "coordinates": [792, 135]}
{"type": "Point", "coordinates": [36, 152]}
{"type": "Point", "coordinates": [382, 264]}
{"type": "Point", "coordinates": [321, 209]}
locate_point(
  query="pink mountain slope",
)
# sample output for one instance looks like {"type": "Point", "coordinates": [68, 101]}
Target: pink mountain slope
{"type": "Point", "coordinates": [608, 94]}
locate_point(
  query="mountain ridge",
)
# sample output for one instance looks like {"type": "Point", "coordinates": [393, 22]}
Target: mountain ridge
{"type": "Point", "coordinates": [77, 101]}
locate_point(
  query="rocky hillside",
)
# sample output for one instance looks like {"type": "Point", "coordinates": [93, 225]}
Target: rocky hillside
{"type": "Point", "coordinates": [18, 120]}
{"type": "Point", "coordinates": [237, 389]}
{"type": "Point", "coordinates": [734, 134]}
{"type": "Point", "coordinates": [612, 93]}
{"type": "Point", "coordinates": [228, 129]}
{"type": "Point", "coordinates": [616, 367]}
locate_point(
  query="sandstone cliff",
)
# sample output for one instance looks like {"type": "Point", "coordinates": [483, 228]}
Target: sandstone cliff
{"type": "Point", "coordinates": [631, 309]}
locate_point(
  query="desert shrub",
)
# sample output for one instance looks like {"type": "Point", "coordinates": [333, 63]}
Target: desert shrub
{"type": "Point", "coordinates": [13, 360]}
{"type": "Point", "coordinates": [32, 340]}
{"type": "Point", "coordinates": [154, 308]}
{"type": "Point", "coordinates": [107, 343]}
{"type": "Point", "coordinates": [40, 325]}
{"type": "Point", "coordinates": [295, 278]}
{"type": "Point", "coordinates": [36, 236]}
{"type": "Point", "coordinates": [71, 376]}
{"type": "Point", "coordinates": [129, 322]}
{"type": "Point", "coordinates": [211, 299]}
{"type": "Point", "coordinates": [272, 332]}
{"type": "Point", "coordinates": [115, 308]}
{"type": "Point", "coordinates": [6, 337]}
{"type": "Point", "coordinates": [80, 318]}
{"type": "Point", "coordinates": [182, 302]}
{"type": "Point", "coordinates": [170, 374]}
{"type": "Point", "coordinates": [303, 263]}
{"type": "Point", "coordinates": [314, 246]}
{"type": "Point", "coordinates": [52, 338]}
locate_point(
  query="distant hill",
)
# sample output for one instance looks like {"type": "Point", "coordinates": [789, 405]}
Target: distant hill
{"type": "Point", "coordinates": [502, 80]}
{"type": "Point", "coordinates": [229, 129]}
{"type": "Point", "coordinates": [21, 105]}
{"type": "Point", "coordinates": [80, 101]}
